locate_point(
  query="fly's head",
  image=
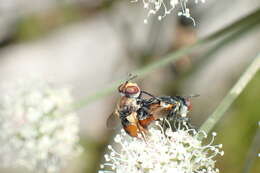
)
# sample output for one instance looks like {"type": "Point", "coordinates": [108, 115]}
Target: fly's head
{"type": "Point", "coordinates": [129, 89]}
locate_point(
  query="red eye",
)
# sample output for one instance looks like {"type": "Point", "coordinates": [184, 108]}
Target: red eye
{"type": "Point", "coordinates": [188, 104]}
{"type": "Point", "coordinates": [132, 90]}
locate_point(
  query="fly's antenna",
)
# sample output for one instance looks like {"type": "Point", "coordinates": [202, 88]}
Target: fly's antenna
{"type": "Point", "coordinates": [130, 77]}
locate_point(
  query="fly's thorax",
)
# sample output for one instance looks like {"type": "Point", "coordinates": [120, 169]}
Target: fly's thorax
{"type": "Point", "coordinates": [132, 102]}
{"type": "Point", "coordinates": [128, 104]}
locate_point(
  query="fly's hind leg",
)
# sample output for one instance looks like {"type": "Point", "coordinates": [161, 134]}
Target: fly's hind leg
{"type": "Point", "coordinates": [143, 132]}
{"type": "Point", "coordinates": [185, 122]}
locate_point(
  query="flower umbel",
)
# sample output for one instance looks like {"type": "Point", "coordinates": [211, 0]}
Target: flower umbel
{"type": "Point", "coordinates": [154, 6]}
{"type": "Point", "coordinates": [166, 151]}
{"type": "Point", "coordinates": [35, 131]}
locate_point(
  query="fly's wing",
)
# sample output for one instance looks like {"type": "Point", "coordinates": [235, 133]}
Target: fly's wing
{"type": "Point", "coordinates": [160, 111]}
{"type": "Point", "coordinates": [113, 121]}
{"type": "Point", "coordinates": [155, 110]}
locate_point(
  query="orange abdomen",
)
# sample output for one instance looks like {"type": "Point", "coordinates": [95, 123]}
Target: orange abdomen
{"type": "Point", "coordinates": [132, 130]}
{"type": "Point", "coordinates": [146, 122]}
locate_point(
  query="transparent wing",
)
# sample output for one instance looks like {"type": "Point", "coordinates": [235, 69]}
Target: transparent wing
{"type": "Point", "coordinates": [158, 111]}
{"type": "Point", "coordinates": [113, 121]}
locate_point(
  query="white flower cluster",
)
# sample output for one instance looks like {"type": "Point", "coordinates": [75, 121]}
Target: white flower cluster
{"type": "Point", "coordinates": [165, 151]}
{"type": "Point", "coordinates": [154, 6]}
{"type": "Point", "coordinates": [35, 131]}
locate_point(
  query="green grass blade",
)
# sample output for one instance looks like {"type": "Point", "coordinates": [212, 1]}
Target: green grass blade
{"type": "Point", "coordinates": [216, 47]}
{"type": "Point", "coordinates": [252, 152]}
{"type": "Point", "coordinates": [232, 95]}
{"type": "Point", "coordinates": [245, 21]}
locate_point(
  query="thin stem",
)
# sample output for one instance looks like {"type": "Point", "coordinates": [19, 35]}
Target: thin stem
{"type": "Point", "coordinates": [220, 44]}
{"type": "Point", "coordinates": [232, 95]}
{"type": "Point", "coordinates": [245, 21]}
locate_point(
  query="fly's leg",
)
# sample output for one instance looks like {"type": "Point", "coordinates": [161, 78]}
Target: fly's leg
{"type": "Point", "coordinates": [152, 96]}
{"type": "Point", "coordinates": [141, 130]}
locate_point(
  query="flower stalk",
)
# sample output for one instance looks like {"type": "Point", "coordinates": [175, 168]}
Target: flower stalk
{"type": "Point", "coordinates": [252, 152]}
{"type": "Point", "coordinates": [172, 57]}
{"type": "Point", "coordinates": [232, 95]}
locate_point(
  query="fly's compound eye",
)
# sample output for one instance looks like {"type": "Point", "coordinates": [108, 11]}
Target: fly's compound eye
{"type": "Point", "coordinates": [188, 104]}
{"type": "Point", "coordinates": [132, 90]}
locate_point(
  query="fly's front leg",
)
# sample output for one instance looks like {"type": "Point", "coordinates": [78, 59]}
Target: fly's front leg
{"type": "Point", "coordinates": [152, 96]}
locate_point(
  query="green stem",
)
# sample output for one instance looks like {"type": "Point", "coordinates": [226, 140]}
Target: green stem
{"type": "Point", "coordinates": [252, 153]}
{"type": "Point", "coordinates": [218, 46]}
{"type": "Point", "coordinates": [245, 21]}
{"type": "Point", "coordinates": [232, 95]}
{"type": "Point", "coordinates": [172, 57]}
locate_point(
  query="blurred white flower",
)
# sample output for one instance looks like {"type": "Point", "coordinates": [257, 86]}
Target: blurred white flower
{"type": "Point", "coordinates": [36, 133]}
{"type": "Point", "coordinates": [154, 6]}
{"type": "Point", "coordinates": [166, 151]}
